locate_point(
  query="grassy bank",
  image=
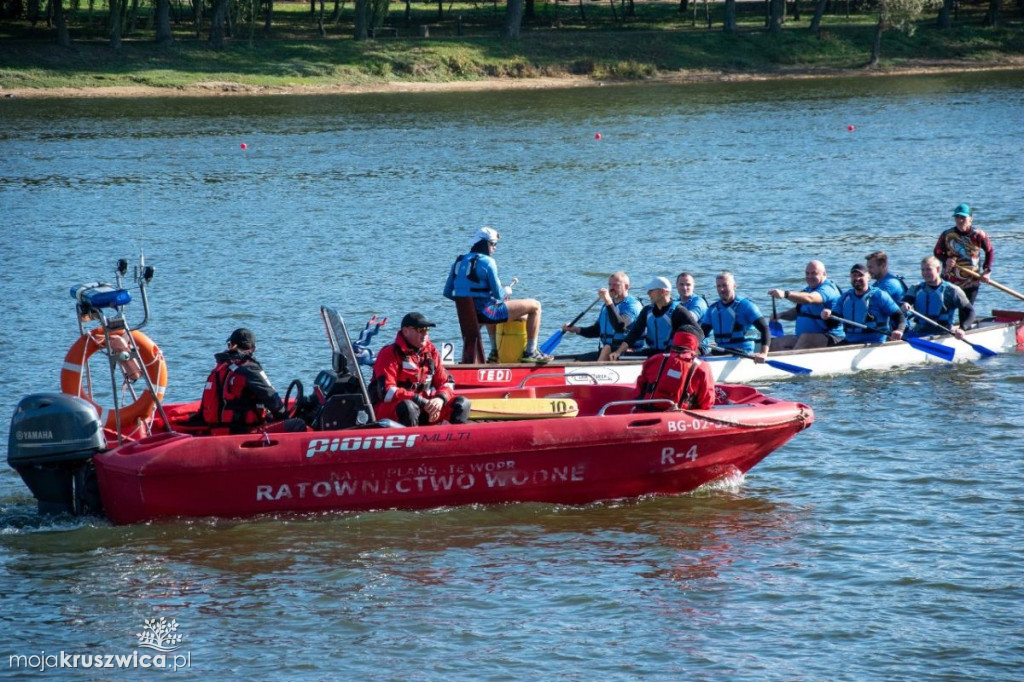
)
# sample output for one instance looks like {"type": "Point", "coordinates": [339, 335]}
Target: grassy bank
{"type": "Point", "coordinates": [462, 45]}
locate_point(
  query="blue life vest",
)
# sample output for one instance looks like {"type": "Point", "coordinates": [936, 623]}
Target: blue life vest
{"type": "Point", "coordinates": [659, 327]}
{"type": "Point", "coordinates": [932, 303]}
{"type": "Point", "coordinates": [728, 330]}
{"type": "Point", "coordinates": [470, 276]}
{"type": "Point", "coordinates": [892, 285]}
{"type": "Point", "coordinates": [696, 305]}
{"type": "Point", "coordinates": [808, 320]}
{"type": "Point", "coordinates": [858, 308]}
{"type": "Point", "coordinates": [628, 307]}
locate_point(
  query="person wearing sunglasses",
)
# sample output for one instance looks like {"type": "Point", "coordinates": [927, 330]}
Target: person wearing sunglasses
{"type": "Point", "coordinates": [410, 385]}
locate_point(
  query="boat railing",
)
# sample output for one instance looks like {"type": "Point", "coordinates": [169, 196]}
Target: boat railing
{"type": "Point", "coordinates": [652, 402]}
{"type": "Point", "coordinates": [522, 384]}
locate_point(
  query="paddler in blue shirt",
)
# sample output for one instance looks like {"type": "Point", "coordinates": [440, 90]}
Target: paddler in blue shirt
{"type": "Point", "coordinates": [735, 321]}
{"type": "Point", "coordinates": [811, 330]}
{"type": "Point", "coordinates": [476, 274]}
{"type": "Point", "coordinates": [878, 268]}
{"type": "Point", "coordinates": [940, 300]}
{"type": "Point", "coordinates": [657, 321]}
{"type": "Point", "coordinates": [869, 306]}
{"type": "Point", "coordinates": [685, 285]}
{"type": "Point", "coordinates": [615, 319]}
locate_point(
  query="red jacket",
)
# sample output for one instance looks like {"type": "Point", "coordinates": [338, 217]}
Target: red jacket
{"type": "Point", "coordinates": [402, 372]}
{"type": "Point", "coordinates": [681, 377]}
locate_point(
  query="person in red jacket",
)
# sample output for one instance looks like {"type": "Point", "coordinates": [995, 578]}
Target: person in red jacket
{"type": "Point", "coordinates": [678, 375]}
{"type": "Point", "coordinates": [410, 385]}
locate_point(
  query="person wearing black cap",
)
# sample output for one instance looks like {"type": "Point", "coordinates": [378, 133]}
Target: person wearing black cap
{"type": "Point", "coordinates": [678, 375]}
{"type": "Point", "coordinates": [238, 395]}
{"type": "Point", "coordinates": [410, 385]}
{"type": "Point", "coordinates": [869, 306]}
{"type": "Point", "coordinates": [962, 246]}
{"type": "Point", "coordinates": [656, 322]}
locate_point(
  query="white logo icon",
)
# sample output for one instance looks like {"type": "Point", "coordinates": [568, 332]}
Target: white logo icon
{"type": "Point", "coordinates": [160, 635]}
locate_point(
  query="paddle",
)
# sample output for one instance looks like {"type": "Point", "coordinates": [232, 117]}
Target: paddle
{"type": "Point", "coordinates": [997, 285]}
{"type": "Point", "coordinates": [923, 345]}
{"type": "Point", "coordinates": [976, 346]}
{"type": "Point", "coordinates": [549, 346]}
{"type": "Point", "coordinates": [784, 366]}
{"type": "Point", "coordinates": [774, 326]}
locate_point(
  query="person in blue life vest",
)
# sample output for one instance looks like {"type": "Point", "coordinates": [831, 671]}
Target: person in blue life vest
{"type": "Point", "coordinates": [410, 384]}
{"type": "Point", "coordinates": [964, 246]}
{"type": "Point", "coordinates": [736, 322]}
{"type": "Point", "coordinates": [878, 268]}
{"type": "Point", "coordinates": [238, 396]}
{"type": "Point", "coordinates": [811, 330]}
{"type": "Point", "coordinates": [615, 319]}
{"type": "Point", "coordinates": [940, 300]}
{"type": "Point", "coordinates": [685, 285]}
{"type": "Point", "coordinates": [475, 274]}
{"type": "Point", "coordinates": [656, 323]}
{"type": "Point", "coordinates": [867, 305]}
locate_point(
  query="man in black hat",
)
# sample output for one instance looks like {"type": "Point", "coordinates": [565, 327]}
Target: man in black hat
{"type": "Point", "coordinates": [869, 306]}
{"type": "Point", "coordinates": [238, 395]}
{"type": "Point", "coordinates": [410, 385]}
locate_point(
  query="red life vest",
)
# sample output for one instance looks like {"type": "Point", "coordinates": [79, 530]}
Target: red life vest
{"type": "Point", "coordinates": [668, 375]}
{"type": "Point", "coordinates": [224, 401]}
{"type": "Point", "coordinates": [211, 405]}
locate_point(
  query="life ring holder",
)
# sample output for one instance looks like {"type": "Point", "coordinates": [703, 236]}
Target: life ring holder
{"type": "Point", "coordinates": [136, 417]}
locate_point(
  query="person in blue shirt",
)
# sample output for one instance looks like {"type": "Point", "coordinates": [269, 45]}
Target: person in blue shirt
{"type": "Point", "coordinates": [811, 330]}
{"type": "Point", "coordinates": [867, 305]}
{"type": "Point", "coordinates": [878, 268]}
{"type": "Point", "coordinates": [656, 323]}
{"type": "Point", "coordinates": [939, 300]}
{"type": "Point", "coordinates": [615, 319]}
{"type": "Point", "coordinates": [475, 274]}
{"type": "Point", "coordinates": [736, 322]}
{"type": "Point", "coordinates": [691, 301]}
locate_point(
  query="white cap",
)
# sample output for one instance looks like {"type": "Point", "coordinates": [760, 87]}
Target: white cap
{"type": "Point", "coordinates": [487, 234]}
{"type": "Point", "coordinates": [659, 283]}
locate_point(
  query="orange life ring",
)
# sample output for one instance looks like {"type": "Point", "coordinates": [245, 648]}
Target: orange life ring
{"type": "Point", "coordinates": [137, 416]}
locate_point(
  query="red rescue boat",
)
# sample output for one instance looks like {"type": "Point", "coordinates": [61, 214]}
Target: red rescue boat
{"type": "Point", "coordinates": [604, 452]}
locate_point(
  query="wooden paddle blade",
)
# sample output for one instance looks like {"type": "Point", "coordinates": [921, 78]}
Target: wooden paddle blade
{"type": "Point", "coordinates": [786, 367]}
{"type": "Point", "coordinates": [930, 347]}
{"type": "Point", "coordinates": [549, 346]}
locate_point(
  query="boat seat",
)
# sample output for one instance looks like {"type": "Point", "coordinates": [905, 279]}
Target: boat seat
{"type": "Point", "coordinates": [340, 402]}
{"type": "Point", "coordinates": [472, 343]}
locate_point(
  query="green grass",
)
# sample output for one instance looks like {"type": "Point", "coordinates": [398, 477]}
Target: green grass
{"type": "Point", "coordinates": [657, 41]}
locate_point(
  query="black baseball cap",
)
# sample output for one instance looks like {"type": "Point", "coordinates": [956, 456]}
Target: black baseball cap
{"type": "Point", "coordinates": [860, 267]}
{"type": "Point", "coordinates": [416, 320]}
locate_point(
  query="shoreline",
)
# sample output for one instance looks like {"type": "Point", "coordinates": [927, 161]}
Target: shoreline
{"type": "Point", "coordinates": [229, 89]}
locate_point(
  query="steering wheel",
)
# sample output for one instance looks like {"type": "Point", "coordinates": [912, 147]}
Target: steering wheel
{"type": "Point", "coordinates": [300, 400]}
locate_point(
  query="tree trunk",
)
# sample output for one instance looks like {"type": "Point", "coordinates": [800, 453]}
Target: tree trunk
{"type": "Point", "coordinates": [945, 15]}
{"type": "Point", "coordinates": [362, 19]}
{"type": "Point", "coordinates": [683, 6]}
{"type": "Point", "coordinates": [115, 25]}
{"type": "Point", "coordinates": [778, 11]}
{"type": "Point", "coordinates": [269, 20]}
{"type": "Point", "coordinates": [992, 16]}
{"type": "Point", "coordinates": [583, 14]}
{"type": "Point", "coordinates": [729, 21]}
{"type": "Point", "coordinates": [530, 13]}
{"type": "Point", "coordinates": [513, 20]}
{"type": "Point", "coordinates": [220, 12]}
{"type": "Point", "coordinates": [59, 21]}
{"type": "Point", "coordinates": [819, 12]}
{"type": "Point", "coordinates": [163, 23]}
{"type": "Point", "coordinates": [876, 44]}
{"type": "Point", "coordinates": [796, 10]}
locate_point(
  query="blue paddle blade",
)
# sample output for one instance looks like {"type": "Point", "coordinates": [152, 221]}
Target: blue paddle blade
{"type": "Point", "coordinates": [786, 367]}
{"type": "Point", "coordinates": [986, 352]}
{"type": "Point", "coordinates": [775, 327]}
{"type": "Point", "coordinates": [549, 346]}
{"type": "Point", "coordinates": [930, 347]}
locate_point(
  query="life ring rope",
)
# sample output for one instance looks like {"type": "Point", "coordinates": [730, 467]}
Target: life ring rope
{"type": "Point", "coordinates": [137, 416]}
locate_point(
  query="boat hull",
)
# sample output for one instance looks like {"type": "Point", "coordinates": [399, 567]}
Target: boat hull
{"type": "Point", "coordinates": [997, 336]}
{"type": "Point", "coordinates": [571, 461]}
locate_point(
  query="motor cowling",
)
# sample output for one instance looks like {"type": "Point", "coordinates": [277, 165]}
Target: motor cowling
{"type": "Point", "coordinates": [52, 441]}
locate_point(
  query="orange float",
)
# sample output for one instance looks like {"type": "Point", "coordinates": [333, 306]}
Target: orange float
{"type": "Point", "coordinates": [137, 416]}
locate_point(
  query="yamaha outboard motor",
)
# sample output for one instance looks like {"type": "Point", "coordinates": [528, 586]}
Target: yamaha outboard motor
{"type": "Point", "coordinates": [52, 441]}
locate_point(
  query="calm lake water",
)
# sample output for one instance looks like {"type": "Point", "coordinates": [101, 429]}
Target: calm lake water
{"type": "Point", "coordinates": [884, 543]}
